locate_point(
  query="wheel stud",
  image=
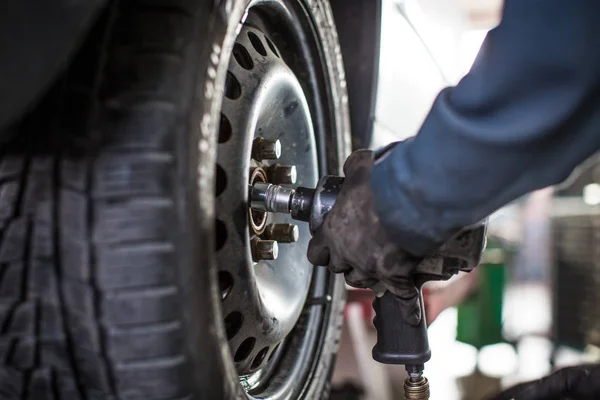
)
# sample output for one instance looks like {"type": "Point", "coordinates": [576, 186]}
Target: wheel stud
{"type": "Point", "coordinates": [282, 174]}
{"type": "Point", "coordinates": [284, 233]}
{"type": "Point", "coordinates": [264, 249]}
{"type": "Point", "coordinates": [266, 149]}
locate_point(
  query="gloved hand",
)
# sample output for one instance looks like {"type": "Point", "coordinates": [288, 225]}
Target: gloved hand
{"type": "Point", "coordinates": [574, 383]}
{"type": "Point", "coordinates": [352, 241]}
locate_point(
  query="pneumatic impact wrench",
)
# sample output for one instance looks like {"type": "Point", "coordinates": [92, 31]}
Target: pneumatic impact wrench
{"type": "Point", "coordinates": [397, 341]}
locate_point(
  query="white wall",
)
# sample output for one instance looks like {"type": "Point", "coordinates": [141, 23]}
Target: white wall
{"type": "Point", "coordinates": [424, 48]}
{"type": "Point", "coordinates": [446, 21]}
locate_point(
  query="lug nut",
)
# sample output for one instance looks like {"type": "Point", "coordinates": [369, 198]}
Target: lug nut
{"type": "Point", "coordinates": [266, 149]}
{"type": "Point", "coordinates": [282, 174]}
{"type": "Point", "coordinates": [284, 233]}
{"type": "Point", "coordinates": [264, 249]}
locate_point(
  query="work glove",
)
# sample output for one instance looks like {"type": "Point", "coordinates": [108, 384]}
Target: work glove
{"type": "Point", "coordinates": [574, 383]}
{"type": "Point", "coordinates": [352, 241]}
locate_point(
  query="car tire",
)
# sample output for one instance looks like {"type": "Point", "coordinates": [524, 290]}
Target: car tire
{"type": "Point", "coordinates": [108, 279]}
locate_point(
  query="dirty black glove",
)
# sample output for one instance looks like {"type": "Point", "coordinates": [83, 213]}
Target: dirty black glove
{"type": "Point", "coordinates": [353, 241]}
{"type": "Point", "coordinates": [574, 383]}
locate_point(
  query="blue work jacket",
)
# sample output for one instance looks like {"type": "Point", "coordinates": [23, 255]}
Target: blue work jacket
{"type": "Point", "coordinates": [523, 118]}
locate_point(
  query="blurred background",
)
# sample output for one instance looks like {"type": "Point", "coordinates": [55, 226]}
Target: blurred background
{"type": "Point", "coordinates": [534, 303]}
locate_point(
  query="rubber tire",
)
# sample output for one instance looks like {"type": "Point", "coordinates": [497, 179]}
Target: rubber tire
{"type": "Point", "coordinates": [108, 286]}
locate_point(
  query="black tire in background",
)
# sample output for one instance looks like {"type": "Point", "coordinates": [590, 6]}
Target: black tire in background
{"type": "Point", "coordinates": [108, 286]}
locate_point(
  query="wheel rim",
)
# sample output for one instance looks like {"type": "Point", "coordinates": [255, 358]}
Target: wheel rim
{"type": "Point", "coordinates": [263, 100]}
{"type": "Point", "coordinates": [284, 366]}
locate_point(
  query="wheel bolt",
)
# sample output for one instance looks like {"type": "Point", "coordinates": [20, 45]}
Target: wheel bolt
{"type": "Point", "coordinates": [282, 174]}
{"type": "Point", "coordinates": [264, 249]}
{"type": "Point", "coordinates": [266, 149]}
{"type": "Point", "coordinates": [284, 233]}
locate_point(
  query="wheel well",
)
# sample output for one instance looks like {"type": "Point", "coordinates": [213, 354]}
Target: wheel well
{"type": "Point", "coordinates": [43, 38]}
{"type": "Point", "coordinates": [359, 28]}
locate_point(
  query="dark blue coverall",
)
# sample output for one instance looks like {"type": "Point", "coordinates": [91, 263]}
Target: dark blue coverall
{"type": "Point", "coordinates": [523, 118]}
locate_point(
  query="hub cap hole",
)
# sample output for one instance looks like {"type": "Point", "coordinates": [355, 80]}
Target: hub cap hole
{"type": "Point", "coordinates": [272, 46]}
{"type": "Point", "coordinates": [224, 129]}
{"type": "Point", "coordinates": [225, 283]}
{"type": "Point", "coordinates": [242, 56]}
{"type": "Point", "coordinates": [233, 323]}
{"type": "Point", "coordinates": [233, 89]}
{"type": "Point", "coordinates": [244, 350]}
{"type": "Point", "coordinates": [220, 234]}
{"type": "Point", "coordinates": [221, 181]}
{"type": "Point", "coordinates": [260, 358]}
{"type": "Point", "coordinates": [273, 352]}
{"type": "Point", "coordinates": [257, 44]}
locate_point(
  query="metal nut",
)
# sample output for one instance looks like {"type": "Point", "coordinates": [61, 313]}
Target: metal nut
{"type": "Point", "coordinates": [284, 233]}
{"type": "Point", "coordinates": [282, 174]}
{"type": "Point", "coordinates": [264, 249]}
{"type": "Point", "coordinates": [266, 149]}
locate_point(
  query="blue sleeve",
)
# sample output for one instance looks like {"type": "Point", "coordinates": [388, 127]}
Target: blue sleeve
{"type": "Point", "coordinates": [523, 118]}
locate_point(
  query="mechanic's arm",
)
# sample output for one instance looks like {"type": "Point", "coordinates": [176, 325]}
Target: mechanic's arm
{"type": "Point", "coordinates": [524, 117]}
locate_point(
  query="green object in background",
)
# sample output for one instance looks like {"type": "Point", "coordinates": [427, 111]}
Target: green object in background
{"type": "Point", "coordinates": [480, 315]}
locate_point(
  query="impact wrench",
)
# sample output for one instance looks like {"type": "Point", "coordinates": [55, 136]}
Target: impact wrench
{"type": "Point", "coordinates": [397, 341]}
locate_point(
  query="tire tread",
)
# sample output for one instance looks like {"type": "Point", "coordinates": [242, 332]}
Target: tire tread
{"type": "Point", "coordinates": [89, 293]}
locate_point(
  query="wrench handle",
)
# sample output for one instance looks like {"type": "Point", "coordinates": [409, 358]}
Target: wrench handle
{"type": "Point", "coordinates": [398, 342]}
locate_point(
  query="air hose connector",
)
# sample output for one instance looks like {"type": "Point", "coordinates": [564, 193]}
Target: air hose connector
{"type": "Point", "coordinates": [416, 389]}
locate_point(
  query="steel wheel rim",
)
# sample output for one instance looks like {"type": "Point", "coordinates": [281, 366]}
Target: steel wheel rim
{"type": "Point", "coordinates": [263, 99]}
{"type": "Point", "coordinates": [299, 353]}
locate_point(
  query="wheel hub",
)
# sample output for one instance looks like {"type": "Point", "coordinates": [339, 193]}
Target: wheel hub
{"type": "Point", "coordinates": [258, 219]}
{"type": "Point", "coordinates": [266, 135]}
